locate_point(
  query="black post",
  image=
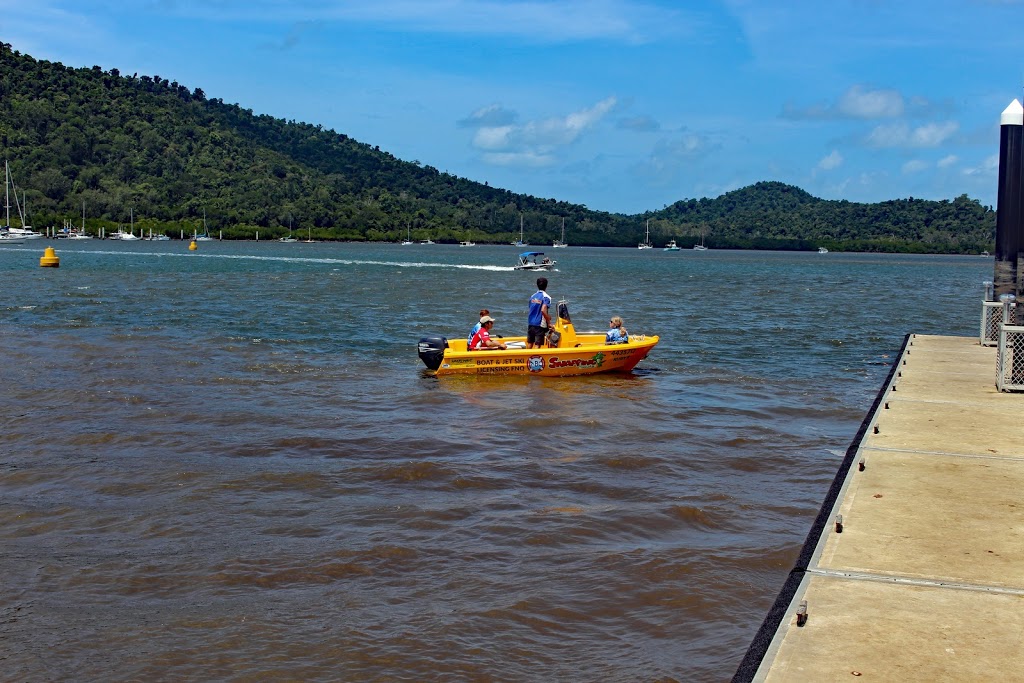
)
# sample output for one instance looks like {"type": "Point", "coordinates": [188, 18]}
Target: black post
{"type": "Point", "coordinates": [1008, 208]}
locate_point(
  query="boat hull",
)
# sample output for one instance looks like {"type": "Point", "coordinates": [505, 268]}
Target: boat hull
{"type": "Point", "coordinates": [591, 356]}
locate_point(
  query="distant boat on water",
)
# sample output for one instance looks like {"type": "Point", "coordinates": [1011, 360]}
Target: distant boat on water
{"type": "Point", "coordinates": [822, 250]}
{"type": "Point", "coordinates": [205, 235]}
{"type": "Point", "coordinates": [520, 242]}
{"type": "Point", "coordinates": [25, 232]}
{"type": "Point", "coordinates": [672, 246]}
{"type": "Point", "coordinates": [646, 244]}
{"type": "Point", "coordinates": [700, 246]}
{"type": "Point", "coordinates": [560, 242]}
{"type": "Point", "coordinates": [291, 235]}
{"type": "Point", "coordinates": [121, 234]}
{"type": "Point", "coordinates": [72, 234]}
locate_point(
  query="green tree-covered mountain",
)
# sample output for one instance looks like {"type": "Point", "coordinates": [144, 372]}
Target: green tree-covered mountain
{"type": "Point", "coordinates": [112, 142]}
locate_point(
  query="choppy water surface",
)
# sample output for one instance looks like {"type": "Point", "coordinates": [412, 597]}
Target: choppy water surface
{"type": "Point", "coordinates": [230, 465]}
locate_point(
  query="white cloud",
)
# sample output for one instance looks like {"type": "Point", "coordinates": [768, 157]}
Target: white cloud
{"type": "Point", "coordinates": [914, 166]}
{"type": "Point", "coordinates": [491, 115]}
{"type": "Point", "coordinates": [670, 154]}
{"type": "Point", "coordinates": [947, 161]}
{"type": "Point", "coordinates": [988, 167]}
{"type": "Point", "coordinates": [564, 130]}
{"type": "Point", "coordinates": [933, 134]}
{"type": "Point", "coordinates": [535, 142]}
{"type": "Point", "coordinates": [902, 135]}
{"type": "Point", "coordinates": [639, 124]}
{"type": "Point", "coordinates": [833, 160]}
{"type": "Point", "coordinates": [859, 103]}
{"type": "Point", "coordinates": [535, 20]}
{"type": "Point", "coordinates": [528, 158]}
{"type": "Point", "coordinates": [492, 138]}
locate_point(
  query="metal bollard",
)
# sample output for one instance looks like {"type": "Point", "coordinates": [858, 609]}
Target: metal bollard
{"type": "Point", "coordinates": [1009, 302]}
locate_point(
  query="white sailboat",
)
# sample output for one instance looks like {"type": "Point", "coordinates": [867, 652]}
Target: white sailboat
{"type": "Point", "coordinates": [25, 232]}
{"type": "Point", "coordinates": [291, 236]}
{"type": "Point", "coordinates": [78, 234]}
{"type": "Point", "coordinates": [700, 247]}
{"type": "Point", "coordinates": [5, 231]}
{"type": "Point", "coordinates": [205, 236]}
{"type": "Point", "coordinates": [560, 242]}
{"type": "Point", "coordinates": [408, 236]}
{"type": "Point", "coordinates": [646, 244]}
{"type": "Point", "coordinates": [126, 236]}
{"type": "Point", "coordinates": [520, 242]}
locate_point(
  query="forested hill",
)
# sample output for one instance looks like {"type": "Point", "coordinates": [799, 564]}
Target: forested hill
{"type": "Point", "coordinates": [114, 142]}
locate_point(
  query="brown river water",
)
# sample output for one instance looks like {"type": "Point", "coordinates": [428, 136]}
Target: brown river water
{"type": "Point", "coordinates": [230, 464]}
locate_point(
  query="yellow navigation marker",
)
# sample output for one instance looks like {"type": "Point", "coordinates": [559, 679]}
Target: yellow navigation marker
{"type": "Point", "coordinates": [193, 246]}
{"type": "Point", "coordinates": [49, 259]}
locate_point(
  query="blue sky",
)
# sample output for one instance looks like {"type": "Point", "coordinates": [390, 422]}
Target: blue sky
{"type": "Point", "coordinates": [620, 105]}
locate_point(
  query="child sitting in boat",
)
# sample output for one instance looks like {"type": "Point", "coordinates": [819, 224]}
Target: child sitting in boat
{"type": "Point", "coordinates": [617, 334]}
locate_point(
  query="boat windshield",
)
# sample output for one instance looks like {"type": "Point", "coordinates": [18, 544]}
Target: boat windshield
{"type": "Point", "coordinates": [563, 311]}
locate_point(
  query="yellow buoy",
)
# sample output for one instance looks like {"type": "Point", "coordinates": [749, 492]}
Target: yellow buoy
{"type": "Point", "coordinates": [193, 246]}
{"type": "Point", "coordinates": [49, 259]}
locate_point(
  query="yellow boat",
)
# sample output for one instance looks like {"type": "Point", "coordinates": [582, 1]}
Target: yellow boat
{"type": "Point", "coordinates": [584, 353]}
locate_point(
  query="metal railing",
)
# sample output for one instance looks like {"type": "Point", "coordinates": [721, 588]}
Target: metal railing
{"type": "Point", "coordinates": [1010, 363]}
{"type": "Point", "coordinates": [991, 319]}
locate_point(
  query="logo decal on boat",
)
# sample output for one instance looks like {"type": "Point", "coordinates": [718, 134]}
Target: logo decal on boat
{"type": "Point", "coordinates": [535, 363]}
{"type": "Point", "coordinates": [595, 362]}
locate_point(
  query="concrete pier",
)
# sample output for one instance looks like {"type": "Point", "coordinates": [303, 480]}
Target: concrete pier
{"type": "Point", "coordinates": [914, 569]}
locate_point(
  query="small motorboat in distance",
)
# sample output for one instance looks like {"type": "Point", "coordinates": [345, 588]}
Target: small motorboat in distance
{"type": "Point", "coordinates": [672, 246]}
{"type": "Point", "coordinates": [573, 353]}
{"type": "Point", "coordinates": [528, 261]}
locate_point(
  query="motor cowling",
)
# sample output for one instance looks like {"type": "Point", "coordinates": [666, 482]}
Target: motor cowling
{"type": "Point", "coordinates": [431, 350]}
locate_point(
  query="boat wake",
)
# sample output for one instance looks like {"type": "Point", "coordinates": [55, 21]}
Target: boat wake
{"type": "Point", "coordinates": [304, 259]}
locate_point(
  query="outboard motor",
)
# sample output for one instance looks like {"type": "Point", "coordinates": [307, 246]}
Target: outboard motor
{"type": "Point", "coordinates": [431, 350]}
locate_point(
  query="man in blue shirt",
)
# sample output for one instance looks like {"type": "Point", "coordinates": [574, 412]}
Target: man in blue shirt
{"type": "Point", "coordinates": [539, 320]}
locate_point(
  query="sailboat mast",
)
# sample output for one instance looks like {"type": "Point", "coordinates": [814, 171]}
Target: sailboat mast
{"type": "Point", "coordinates": [7, 193]}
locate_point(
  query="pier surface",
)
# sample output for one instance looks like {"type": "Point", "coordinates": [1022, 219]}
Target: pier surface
{"type": "Point", "coordinates": [925, 580]}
